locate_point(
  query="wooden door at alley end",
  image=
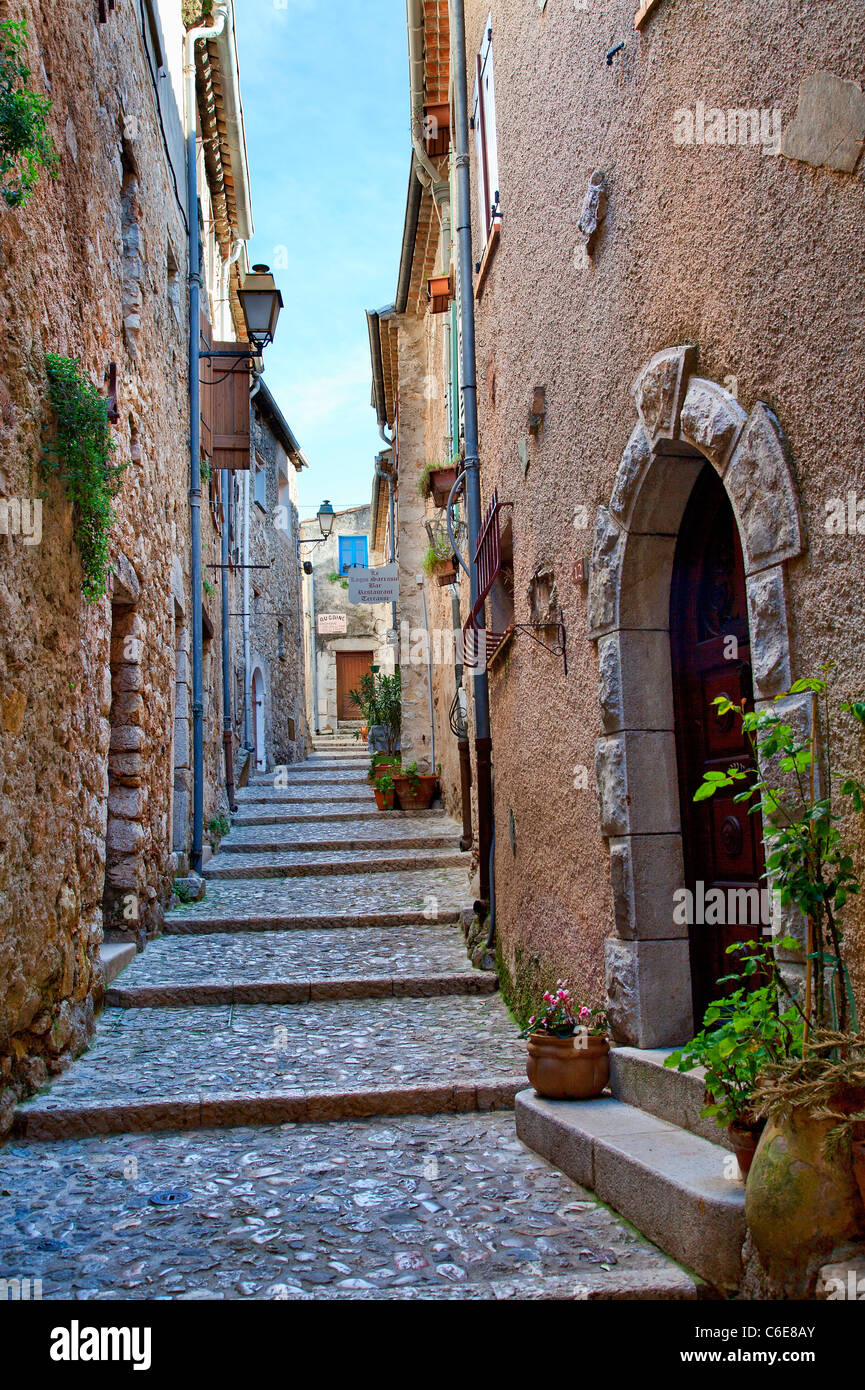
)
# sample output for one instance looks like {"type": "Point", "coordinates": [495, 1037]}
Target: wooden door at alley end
{"type": "Point", "coordinates": [350, 668]}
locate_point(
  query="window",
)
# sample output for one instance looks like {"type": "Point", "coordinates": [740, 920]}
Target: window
{"type": "Point", "coordinates": [260, 483]}
{"type": "Point", "coordinates": [352, 553]}
{"type": "Point", "coordinates": [486, 142]}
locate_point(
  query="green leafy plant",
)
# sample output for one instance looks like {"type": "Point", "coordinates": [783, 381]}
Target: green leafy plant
{"type": "Point", "coordinates": [385, 783]}
{"type": "Point", "coordinates": [209, 589]}
{"type": "Point", "coordinates": [364, 696]}
{"type": "Point", "coordinates": [742, 1034]}
{"type": "Point", "coordinates": [217, 828]}
{"type": "Point", "coordinates": [424, 485]}
{"type": "Point", "coordinates": [25, 145]}
{"type": "Point", "coordinates": [560, 1016]}
{"type": "Point", "coordinates": [339, 579]}
{"type": "Point", "coordinates": [440, 552]}
{"type": "Point", "coordinates": [809, 864]}
{"type": "Point", "coordinates": [82, 455]}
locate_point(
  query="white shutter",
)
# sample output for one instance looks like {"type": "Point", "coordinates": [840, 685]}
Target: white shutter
{"type": "Point", "coordinates": [480, 151]}
{"type": "Point", "coordinates": [488, 101]}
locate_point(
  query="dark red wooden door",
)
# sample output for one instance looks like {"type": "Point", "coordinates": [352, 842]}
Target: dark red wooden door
{"type": "Point", "coordinates": [710, 645]}
{"type": "Point", "coordinates": [351, 667]}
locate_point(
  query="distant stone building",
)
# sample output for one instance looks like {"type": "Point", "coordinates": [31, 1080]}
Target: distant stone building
{"type": "Point", "coordinates": [342, 639]}
{"type": "Point", "coordinates": [266, 623]}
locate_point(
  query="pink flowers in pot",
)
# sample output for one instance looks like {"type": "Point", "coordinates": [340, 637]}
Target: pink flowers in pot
{"type": "Point", "coordinates": [562, 1017]}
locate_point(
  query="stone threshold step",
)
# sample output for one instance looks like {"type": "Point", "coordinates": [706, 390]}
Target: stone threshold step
{"type": "Point", "coordinates": [268, 797]}
{"type": "Point", "coordinates": [294, 1106]}
{"type": "Point", "coordinates": [638, 1077]}
{"type": "Point", "coordinates": [301, 991]}
{"type": "Point", "coordinates": [675, 1187]}
{"type": "Point", "coordinates": [320, 813]}
{"type": "Point", "coordinates": [586, 1286]}
{"type": "Point", "coordinates": [409, 862]}
{"type": "Point", "coordinates": [188, 926]}
{"type": "Point", "coordinates": [323, 845]}
{"type": "Point", "coordinates": [115, 956]}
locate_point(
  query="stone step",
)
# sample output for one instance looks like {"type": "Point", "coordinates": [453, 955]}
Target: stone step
{"type": "Point", "coordinates": [270, 839]}
{"type": "Point", "coordinates": [678, 1189]}
{"type": "Point", "coordinates": [313, 954]}
{"type": "Point", "coordinates": [116, 956]}
{"type": "Point", "coordinates": [301, 990]}
{"type": "Point", "coordinates": [270, 1064]}
{"type": "Point", "coordinates": [325, 863]}
{"type": "Point", "coordinates": [399, 899]}
{"type": "Point", "coordinates": [358, 791]}
{"type": "Point", "coordinates": [312, 777]}
{"type": "Point", "coordinates": [321, 811]}
{"type": "Point", "coordinates": [638, 1077]}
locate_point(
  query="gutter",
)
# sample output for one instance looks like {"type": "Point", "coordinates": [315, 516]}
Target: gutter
{"type": "Point", "coordinates": [409, 237]}
{"type": "Point", "coordinates": [235, 131]}
{"type": "Point", "coordinates": [414, 20]}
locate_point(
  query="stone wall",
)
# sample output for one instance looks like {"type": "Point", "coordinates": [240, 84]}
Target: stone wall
{"type": "Point", "coordinates": [87, 719]}
{"type": "Point", "coordinates": [749, 255]}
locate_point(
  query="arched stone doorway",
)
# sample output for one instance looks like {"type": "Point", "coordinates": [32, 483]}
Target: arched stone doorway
{"type": "Point", "coordinates": [684, 421]}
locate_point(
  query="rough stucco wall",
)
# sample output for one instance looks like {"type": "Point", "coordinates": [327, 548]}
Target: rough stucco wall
{"type": "Point", "coordinates": [83, 274]}
{"type": "Point", "coordinates": [367, 625]}
{"type": "Point", "coordinates": [747, 255]}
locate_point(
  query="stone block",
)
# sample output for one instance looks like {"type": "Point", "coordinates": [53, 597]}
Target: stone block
{"type": "Point", "coordinates": [129, 803]}
{"type": "Point", "coordinates": [606, 565]}
{"type": "Point", "coordinates": [770, 642]}
{"type": "Point", "coordinates": [127, 738]}
{"type": "Point", "coordinates": [658, 391]}
{"type": "Point", "coordinates": [639, 1078]}
{"type": "Point", "coordinates": [649, 992]}
{"type": "Point", "coordinates": [125, 837]}
{"type": "Point", "coordinates": [611, 786]}
{"type": "Point", "coordinates": [828, 130]}
{"type": "Point", "coordinates": [644, 598]}
{"type": "Point", "coordinates": [634, 685]}
{"type": "Point", "coordinates": [645, 871]}
{"type": "Point", "coordinates": [711, 421]}
{"type": "Point", "coordinates": [761, 489]}
{"type": "Point", "coordinates": [633, 466]}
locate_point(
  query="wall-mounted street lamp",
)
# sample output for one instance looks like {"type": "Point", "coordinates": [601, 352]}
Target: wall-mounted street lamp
{"type": "Point", "coordinates": [261, 302]}
{"type": "Point", "coordinates": [326, 516]}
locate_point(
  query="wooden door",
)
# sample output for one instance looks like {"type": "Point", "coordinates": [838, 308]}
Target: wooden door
{"type": "Point", "coordinates": [350, 667]}
{"type": "Point", "coordinates": [710, 646]}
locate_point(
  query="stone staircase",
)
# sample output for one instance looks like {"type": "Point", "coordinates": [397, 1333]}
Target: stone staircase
{"type": "Point", "coordinates": [645, 1151]}
{"type": "Point", "coordinates": [317, 900]}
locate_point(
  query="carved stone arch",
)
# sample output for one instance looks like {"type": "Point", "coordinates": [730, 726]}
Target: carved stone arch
{"type": "Point", "coordinates": [683, 421]}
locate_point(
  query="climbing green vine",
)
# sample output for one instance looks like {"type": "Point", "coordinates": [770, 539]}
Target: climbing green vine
{"type": "Point", "coordinates": [25, 145]}
{"type": "Point", "coordinates": [82, 455]}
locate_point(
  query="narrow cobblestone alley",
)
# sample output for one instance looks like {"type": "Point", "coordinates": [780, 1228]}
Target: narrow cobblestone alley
{"type": "Point", "coordinates": [303, 1089]}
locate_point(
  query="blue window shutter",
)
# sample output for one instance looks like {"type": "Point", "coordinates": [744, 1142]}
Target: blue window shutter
{"type": "Point", "coordinates": [352, 553]}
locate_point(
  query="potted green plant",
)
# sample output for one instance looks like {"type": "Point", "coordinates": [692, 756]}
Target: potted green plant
{"type": "Point", "coordinates": [381, 763]}
{"type": "Point", "coordinates": [742, 1033]}
{"type": "Point", "coordinates": [365, 697]}
{"type": "Point", "coordinates": [415, 789]}
{"type": "Point", "coordinates": [440, 561]}
{"type": "Point", "coordinates": [811, 867]}
{"type": "Point", "coordinates": [437, 481]}
{"type": "Point", "coordinates": [384, 792]}
{"type": "Point", "coordinates": [568, 1048]}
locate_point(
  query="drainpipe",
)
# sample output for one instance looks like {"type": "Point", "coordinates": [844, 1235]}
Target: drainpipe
{"type": "Point", "coordinates": [467, 839]}
{"type": "Point", "coordinates": [483, 743]}
{"type": "Point", "coordinates": [227, 739]}
{"type": "Point", "coordinates": [247, 641]}
{"type": "Point", "coordinates": [314, 650]}
{"type": "Point", "coordinates": [429, 675]}
{"type": "Point", "coordinates": [193, 35]}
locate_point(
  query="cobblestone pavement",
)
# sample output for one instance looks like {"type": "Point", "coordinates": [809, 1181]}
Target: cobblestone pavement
{"type": "Point", "coordinates": [231, 1033]}
{"type": "Point", "coordinates": [446, 1206]}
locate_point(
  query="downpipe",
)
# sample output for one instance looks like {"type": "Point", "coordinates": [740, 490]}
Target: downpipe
{"type": "Point", "coordinates": [227, 739]}
{"type": "Point", "coordinates": [220, 17]}
{"type": "Point", "coordinates": [483, 743]}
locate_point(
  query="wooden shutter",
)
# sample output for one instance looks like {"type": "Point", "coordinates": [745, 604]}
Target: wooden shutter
{"type": "Point", "coordinates": [486, 139]}
{"type": "Point", "coordinates": [231, 436]}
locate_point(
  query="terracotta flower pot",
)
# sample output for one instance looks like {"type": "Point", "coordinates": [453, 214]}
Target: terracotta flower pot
{"type": "Point", "coordinates": [364, 732]}
{"type": "Point", "coordinates": [576, 1068]}
{"type": "Point", "coordinates": [441, 480]}
{"type": "Point", "coordinates": [417, 797]}
{"type": "Point", "coordinates": [859, 1166]}
{"type": "Point", "coordinates": [384, 800]}
{"type": "Point", "coordinates": [384, 768]}
{"type": "Point", "coordinates": [446, 573]}
{"type": "Point", "coordinates": [744, 1139]}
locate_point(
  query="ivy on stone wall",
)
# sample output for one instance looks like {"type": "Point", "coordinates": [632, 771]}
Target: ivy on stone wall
{"type": "Point", "coordinates": [25, 145]}
{"type": "Point", "coordinates": [196, 11]}
{"type": "Point", "coordinates": [82, 455]}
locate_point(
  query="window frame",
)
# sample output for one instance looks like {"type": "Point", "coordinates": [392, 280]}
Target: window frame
{"type": "Point", "coordinates": [486, 134]}
{"type": "Point", "coordinates": [351, 541]}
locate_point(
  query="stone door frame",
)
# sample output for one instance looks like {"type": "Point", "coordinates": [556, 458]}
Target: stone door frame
{"type": "Point", "coordinates": [684, 420]}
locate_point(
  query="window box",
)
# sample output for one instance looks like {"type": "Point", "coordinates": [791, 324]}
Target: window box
{"type": "Point", "coordinates": [438, 484]}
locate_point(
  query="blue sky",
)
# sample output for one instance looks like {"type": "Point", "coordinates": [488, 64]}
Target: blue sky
{"type": "Point", "coordinates": [325, 95]}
